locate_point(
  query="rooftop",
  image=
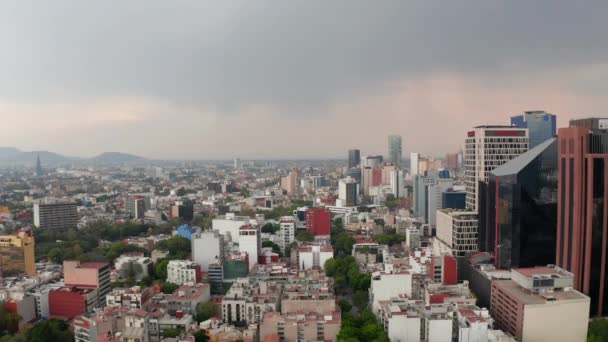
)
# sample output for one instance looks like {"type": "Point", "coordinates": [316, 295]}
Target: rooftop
{"type": "Point", "coordinates": [542, 270]}
{"type": "Point", "coordinates": [516, 164]}
{"type": "Point", "coordinates": [96, 265]}
{"type": "Point", "coordinates": [527, 297]}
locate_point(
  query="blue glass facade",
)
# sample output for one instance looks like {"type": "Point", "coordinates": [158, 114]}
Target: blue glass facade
{"type": "Point", "coordinates": [453, 200]}
{"type": "Point", "coordinates": [542, 125]}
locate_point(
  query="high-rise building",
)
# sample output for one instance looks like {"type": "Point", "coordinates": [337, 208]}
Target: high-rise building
{"type": "Point", "coordinates": [237, 163]}
{"type": "Point", "coordinates": [372, 161]}
{"type": "Point", "coordinates": [414, 163]}
{"type": "Point", "coordinates": [581, 209]}
{"type": "Point", "coordinates": [539, 304]}
{"type": "Point", "coordinates": [348, 193]}
{"type": "Point", "coordinates": [228, 225]}
{"type": "Point", "coordinates": [184, 210]}
{"type": "Point", "coordinates": [318, 221]}
{"type": "Point", "coordinates": [136, 206]}
{"type": "Point", "coordinates": [287, 232]}
{"type": "Point", "coordinates": [421, 194]}
{"type": "Point", "coordinates": [452, 161]}
{"type": "Point", "coordinates": [397, 183]}
{"type": "Point", "coordinates": [354, 158]}
{"type": "Point", "coordinates": [207, 248]}
{"type": "Point", "coordinates": [250, 243]}
{"type": "Point", "coordinates": [394, 149]}
{"type": "Point", "coordinates": [518, 218]}
{"type": "Point", "coordinates": [290, 182]}
{"type": "Point", "coordinates": [486, 148]}
{"type": "Point", "coordinates": [541, 125]}
{"type": "Point", "coordinates": [457, 230]}
{"type": "Point", "coordinates": [17, 253]}
{"type": "Point", "coordinates": [354, 173]}
{"type": "Point", "coordinates": [91, 275]}
{"type": "Point", "coordinates": [55, 215]}
{"type": "Point", "coordinates": [39, 171]}
{"type": "Point", "coordinates": [435, 199]}
{"type": "Point", "coordinates": [453, 199]}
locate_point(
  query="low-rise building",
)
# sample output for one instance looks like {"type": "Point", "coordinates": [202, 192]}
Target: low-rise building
{"type": "Point", "coordinates": [183, 272]}
{"type": "Point", "coordinates": [314, 257]}
{"type": "Point", "coordinates": [187, 297]}
{"type": "Point", "coordinates": [294, 327]}
{"type": "Point", "coordinates": [69, 302]}
{"type": "Point", "coordinates": [248, 300]}
{"type": "Point", "coordinates": [540, 304]}
{"type": "Point", "coordinates": [132, 298]}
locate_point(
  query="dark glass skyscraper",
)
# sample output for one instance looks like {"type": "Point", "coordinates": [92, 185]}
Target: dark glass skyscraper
{"type": "Point", "coordinates": [394, 149]}
{"type": "Point", "coordinates": [520, 209]}
{"type": "Point", "coordinates": [542, 125]}
{"type": "Point", "coordinates": [354, 158]}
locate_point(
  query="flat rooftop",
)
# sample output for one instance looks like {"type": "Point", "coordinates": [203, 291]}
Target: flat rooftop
{"type": "Point", "coordinates": [527, 297]}
{"type": "Point", "coordinates": [542, 270]}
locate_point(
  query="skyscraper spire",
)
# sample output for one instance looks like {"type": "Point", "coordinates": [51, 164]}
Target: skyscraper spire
{"type": "Point", "coordinates": [38, 166]}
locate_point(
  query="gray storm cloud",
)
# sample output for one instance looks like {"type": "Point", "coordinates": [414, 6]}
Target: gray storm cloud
{"type": "Point", "coordinates": [300, 58]}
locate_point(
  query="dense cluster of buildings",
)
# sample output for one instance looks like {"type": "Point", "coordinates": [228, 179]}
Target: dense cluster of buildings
{"type": "Point", "coordinates": [502, 241]}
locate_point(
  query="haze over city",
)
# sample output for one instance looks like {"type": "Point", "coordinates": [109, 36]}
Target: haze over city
{"type": "Point", "coordinates": [303, 171]}
{"type": "Point", "coordinates": [298, 79]}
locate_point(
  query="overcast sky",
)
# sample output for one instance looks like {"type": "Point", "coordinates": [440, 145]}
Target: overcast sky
{"type": "Point", "coordinates": [258, 79]}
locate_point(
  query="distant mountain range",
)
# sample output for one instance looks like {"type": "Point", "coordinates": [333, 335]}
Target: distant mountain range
{"type": "Point", "coordinates": [13, 156]}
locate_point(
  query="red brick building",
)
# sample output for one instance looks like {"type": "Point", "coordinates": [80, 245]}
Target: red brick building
{"type": "Point", "coordinates": [582, 225]}
{"type": "Point", "coordinates": [318, 221]}
{"type": "Point", "coordinates": [69, 302]}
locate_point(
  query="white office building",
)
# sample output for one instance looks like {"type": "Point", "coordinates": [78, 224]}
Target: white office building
{"type": "Point", "coordinates": [414, 163]}
{"type": "Point", "coordinates": [207, 248]}
{"type": "Point", "coordinates": [457, 230]}
{"type": "Point", "coordinates": [348, 193]}
{"type": "Point", "coordinates": [229, 225]}
{"type": "Point", "coordinates": [435, 197]}
{"type": "Point", "coordinates": [314, 256]}
{"type": "Point", "coordinates": [182, 272]}
{"type": "Point", "coordinates": [486, 148]}
{"type": "Point", "coordinates": [287, 232]}
{"type": "Point", "coordinates": [250, 243]}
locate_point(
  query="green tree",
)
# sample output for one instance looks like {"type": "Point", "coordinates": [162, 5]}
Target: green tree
{"type": "Point", "coordinates": [168, 287]}
{"type": "Point", "coordinates": [598, 330]}
{"type": "Point", "coordinates": [171, 333]}
{"type": "Point", "coordinates": [56, 255]}
{"type": "Point", "coordinates": [388, 239]}
{"type": "Point", "coordinates": [361, 298]}
{"type": "Point", "coordinates": [181, 192]}
{"type": "Point", "coordinates": [207, 310]}
{"type": "Point", "coordinates": [345, 306]}
{"type": "Point", "coordinates": [275, 248]}
{"type": "Point", "coordinates": [9, 321]}
{"type": "Point", "coordinates": [270, 228]}
{"type": "Point", "coordinates": [50, 330]}
{"type": "Point", "coordinates": [344, 244]}
{"type": "Point", "coordinates": [305, 236]}
{"type": "Point", "coordinates": [179, 247]}
{"type": "Point", "coordinates": [160, 269]}
{"type": "Point", "coordinates": [330, 267]}
{"type": "Point", "coordinates": [392, 202]}
{"type": "Point", "coordinates": [200, 336]}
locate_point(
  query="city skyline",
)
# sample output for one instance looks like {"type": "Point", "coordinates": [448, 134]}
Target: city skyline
{"type": "Point", "coordinates": [207, 85]}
